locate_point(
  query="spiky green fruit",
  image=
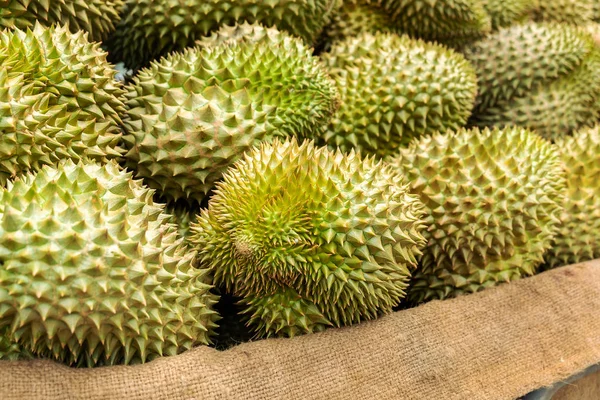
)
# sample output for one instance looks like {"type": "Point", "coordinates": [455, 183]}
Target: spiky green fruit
{"type": "Point", "coordinates": [451, 22]}
{"type": "Point", "coordinates": [394, 88]}
{"type": "Point", "coordinates": [310, 238]}
{"type": "Point", "coordinates": [540, 76]}
{"type": "Point", "coordinates": [355, 17]}
{"type": "Point", "coordinates": [508, 12]}
{"type": "Point", "coordinates": [151, 28]}
{"type": "Point", "coordinates": [182, 216]}
{"type": "Point", "coordinates": [579, 236]}
{"type": "Point", "coordinates": [192, 115]}
{"type": "Point", "coordinates": [58, 99]}
{"type": "Point", "coordinates": [92, 272]}
{"type": "Point", "coordinates": [10, 351]}
{"type": "Point", "coordinates": [97, 17]}
{"type": "Point", "coordinates": [575, 12]}
{"type": "Point", "coordinates": [493, 201]}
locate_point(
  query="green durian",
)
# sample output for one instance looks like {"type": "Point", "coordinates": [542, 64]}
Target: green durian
{"type": "Point", "coordinates": [451, 22]}
{"type": "Point", "coordinates": [540, 76]}
{"type": "Point", "coordinates": [10, 351]}
{"type": "Point", "coordinates": [508, 12]}
{"type": "Point", "coordinates": [182, 217]}
{"type": "Point", "coordinates": [355, 17]}
{"type": "Point", "coordinates": [493, 199]}
{"type": "Point", "coordinates": [152, 28]}
{"type": "Point", "coordinates": [575, 12]}
{"type": "Point", "coordinates": [58, 99]}
{"type": "Point", "coordinates": [394, 88]}
{"type": "Point", "coordinates": [310, 238]}
{"type": "Point", "coordinates": [92, 272]}
{"type": "Point", "coordinates": [579, 236]}
{"type": "Point", "coordinates": [191, 115]}
{"type": "Point", "coordinates": [97, 17]}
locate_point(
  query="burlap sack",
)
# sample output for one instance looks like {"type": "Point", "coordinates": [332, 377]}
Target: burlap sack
{"type": "Point", "coordinates": [498, 344]}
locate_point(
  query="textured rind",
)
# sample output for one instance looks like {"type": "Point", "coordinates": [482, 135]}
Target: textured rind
{"type": "Point", "coordinates": [192, 115]}
{"type": "Point", "coordinates": [92, 272]}
{"type": "Point", "coordinates": [151, 28]}
{"type": "Point", "coordinates": [10, 351]}
{"type": "Point", "coordinates": [493, 200]}
{"type": "Point", "coordinates": [508, 12]}
{"type": "Point", "coordinates": [579, 237]}
{"type": "Point", "coordinates": [540, 76]}
{"type": "Point", "coordinates": [310, 238]}
{"type": "Point", "coordinates": [451, 22]}
{"type": "Point", "coordinates": [58, 99]}
{"type": "Point", "coordinates": [574, 12]}
{"type": "Point", "coordinates": [182, 216]}
{"type": "Point", "coordinates": [393, 89]}
{"type": "Point", "coordinates": [97, 17]}
{"type": "Point", "coordinates": [355, 17]}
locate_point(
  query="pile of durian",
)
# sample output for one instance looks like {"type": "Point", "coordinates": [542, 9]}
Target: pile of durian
{"type": "Point", "coordinates": [282, 167]}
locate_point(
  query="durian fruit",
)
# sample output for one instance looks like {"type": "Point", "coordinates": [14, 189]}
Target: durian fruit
{"type": "Point", "coordinates": [58, 99]}
{"type": "Point", "coordinates": [152, 28]}
{"type": "Point", "coordinates": [451, 22]}
{"type": "Point", "coordinates": [92, 272]}
{"type": "Point", "coordinates": [97, 17]}
{"type": "Point", "coordinates": [310, 238]}
{"type": "Point", "coordinates": [191, 115]}
{"type": "Point", "coordinates": [182, 216]}
{"type": "Point", "coordinates": [540, 76]}
{"type": "Point", "coordinates": [394, 88]}
{"type": "Point", "coordinates": [10, 351]}
{"type": "Point", "coordinates": [508, 12]}
{"type": "Point", "coordinates": [355, 17]}
{"type": "Point", "coordinates": [579, 237]}
{"type": "Point", "coordinates": [493, 199]}
{"type": "Point", "coordinates": [575, 12]}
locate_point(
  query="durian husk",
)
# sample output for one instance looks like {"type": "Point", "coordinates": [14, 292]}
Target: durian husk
{"type": "Point", "coordinates": [310, 238]}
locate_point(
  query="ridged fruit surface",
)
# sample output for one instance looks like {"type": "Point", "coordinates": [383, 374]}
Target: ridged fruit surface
{"type": "Point", "coordinates": [493, 200]}
{"type": "Point", "coordinates": [152, 28]}
{"type": "Point", "coordinates": [355, 17]}
{"type": "Point", "coordinates": [92, 273]}
{"type": "Point", "coordinates": [393, 89]}
{"type": "Point", "coordinates": [574, 12]}
{"type": "Point", "coordinates": [508, 12]}
{"type": "Point", "coordinates": [310, 238]}
{"type": "Point", "coordinates": [58, 100]}
{"type": "Point", "coordinates": [182, 217]}
{"type": "Point", "coordinates": [192, 115]}
{"type": "Point", "coordinates": [540, 76]}
{"type": "Point", "coordinates": [97, 17]}
{"type": "Point", "coordinates": [10, 351]}
{"type": "Point", "coordinates": [579, 236]}
{"type": "Point", "coordinates": [451, 22]}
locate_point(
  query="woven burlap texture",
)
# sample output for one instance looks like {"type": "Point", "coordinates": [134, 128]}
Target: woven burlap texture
{"type": "Point", "coordinates": [498, 344]}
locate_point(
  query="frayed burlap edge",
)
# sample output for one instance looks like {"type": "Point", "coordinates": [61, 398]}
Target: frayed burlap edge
{"type": "Point", "coordinates": [498, 344]}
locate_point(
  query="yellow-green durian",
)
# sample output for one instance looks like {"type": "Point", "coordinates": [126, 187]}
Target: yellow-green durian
{"type": "Point", "coordinates": [310, 238]}
{"type": "Point", "coordinates": [508, 12]}
{"type": "Point", "coordinates": [493, 199]}
{"type": "Point", "coordinates": [97, 17]}
{"type": "Point", "coordinates": [451, 22]}
{"type": "Point", "coordinates": [540, 76]}
{"type": "Point", "coordinates": [355, 17]}
{"type": "Point", "coordinates": [58, 100]}
{"type": "Point", "coordinates": [579, 236]}
{"type": "Point", "coordinates": [92, 272]}
{"type": "Point", "coordinates": [394, 88]}
{"type": "Point", "coordinates": [191, 115]}
{"type": "Point", "coordinates": [574, 12]}
{"type": "Point", "coordinates": [152, 28]}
